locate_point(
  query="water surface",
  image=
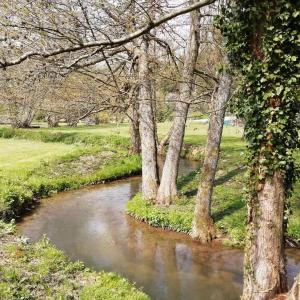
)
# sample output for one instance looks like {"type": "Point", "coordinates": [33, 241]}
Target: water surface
{"type": "Point", "coordinates": [91, 225]}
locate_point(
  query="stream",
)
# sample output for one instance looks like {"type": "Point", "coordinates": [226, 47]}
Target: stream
{"type": "Point", "coordinates": [91, 225]}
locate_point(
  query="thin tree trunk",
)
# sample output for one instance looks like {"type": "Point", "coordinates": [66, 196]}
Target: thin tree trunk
{"type": "Point", "coordinates": [294, 293]}
{"type": "Point", "coordinates": [168, 190]}
{"type": "Point", "coordinates": [203, 226]}
{"type": "Point", "coordinates": [134, 128]}
{"type": "Point", "coordinates": [147, 127]}
{"type": "Point", "coordinates": [164, 142]}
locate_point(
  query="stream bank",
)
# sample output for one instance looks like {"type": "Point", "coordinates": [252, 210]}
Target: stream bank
{"type": "Point", "coordinates": [91, 225]}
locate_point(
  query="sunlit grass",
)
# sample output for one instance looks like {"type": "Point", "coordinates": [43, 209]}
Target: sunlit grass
{"type": "Point", "coordinates": [25, 155]}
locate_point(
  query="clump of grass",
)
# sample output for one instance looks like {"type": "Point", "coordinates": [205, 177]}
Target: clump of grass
{"type": "Point", "coordinates": [40, 271]}
{"type": "Point", "coordinates": [172, 218]}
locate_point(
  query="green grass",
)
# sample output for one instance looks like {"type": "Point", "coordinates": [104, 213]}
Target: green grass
{"type": "Point", "coordinates": [34, 164]}
{"type": "Point", "coordinates": [194, 129]}
{"type": "Point", "coordinates": [40, 271]}
{"type": "Point", "coordinates": [228, 204]}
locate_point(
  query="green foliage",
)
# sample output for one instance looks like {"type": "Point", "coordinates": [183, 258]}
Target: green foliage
{"type": "Point", "coordinates": [40, 271]}
{"type": "Point", "coordinates": [263, 46]}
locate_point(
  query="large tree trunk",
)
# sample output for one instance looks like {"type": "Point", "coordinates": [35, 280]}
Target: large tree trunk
{"type": "Point", "coordinates": [147, 127]}
{"type": "Point", "coordinates": [21, 115]}
{"type": "Point", "coordinates": [168, 189]}
{"type": "Point", "coordinates": [264, 264]}
{"type": "Point", "coordinates": [203, 226]}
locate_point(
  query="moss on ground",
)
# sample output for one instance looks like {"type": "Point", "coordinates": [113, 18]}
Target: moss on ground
{"type": "Point", "coordinates": [228, 205]}
{"type": "Point", "coordinates": [40, 271]}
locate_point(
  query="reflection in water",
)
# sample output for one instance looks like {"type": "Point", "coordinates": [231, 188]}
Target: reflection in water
{"type": "Point", "coordinates": [90, 225]}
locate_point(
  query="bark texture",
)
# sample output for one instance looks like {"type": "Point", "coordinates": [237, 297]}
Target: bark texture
{"type": "Point", "coordinates": [264, 265]}
{"type": "Point", "coordinates": [164, 142]}
{"type": "Point", "coordinates": [52, 120]}
{"type": "Point", "coordinates": [134, 125]}
{"type": "Point", "coordinates": [294, 293]}
{"type": "Point", "coordinates": [21, 116]}
{"type": "Point", "coordinates": [168, 189]}
{"type": "Point", "coordinates": [135, 133]}
{"type": "Point", "coordinates": [147, 127]}
{"type": "Point", "coordinates": [203, 225]}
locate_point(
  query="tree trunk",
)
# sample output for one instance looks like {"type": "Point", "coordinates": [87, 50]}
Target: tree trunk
{"type": "Point", "coordinates": [264, 266]}
{"type": "Point", "coordinates": [168, 189]}
{"type": "Point", "coordinates": [147, 127]}
{"type": "Point", "coordinates": [164, 142]}
{"type": "Point", "coordinates": [21, 116]}
{"type": "Point", "coordinates": [294, 293]}
{"type": "Point", "coordinates": [203, 226]}
{"type": "Point", "coordinates": [52, 120]}
{"type": "Point", "coordinates": [264, 262]}
{"type": "Point", "coordinates": [134, 129]}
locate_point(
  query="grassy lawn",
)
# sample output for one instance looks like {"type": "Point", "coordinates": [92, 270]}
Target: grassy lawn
{"type": "Point", "coordinates": [34, 164]}
{"type": "Point", "coordinates": [40, 271]}
{"type": "Point", "coordinates": [193, 129]}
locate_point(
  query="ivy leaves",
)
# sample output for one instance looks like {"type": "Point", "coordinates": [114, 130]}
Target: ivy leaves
{"type": "Point", "coordinates": [263, 42]}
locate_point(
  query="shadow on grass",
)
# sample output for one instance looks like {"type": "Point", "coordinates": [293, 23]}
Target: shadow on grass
{"type": "Point", "coordinates": [229, 175]}
{"type": "Point", "coordinates": [230, 209]}
{"type": "Point", "coordinates": [186, 179]}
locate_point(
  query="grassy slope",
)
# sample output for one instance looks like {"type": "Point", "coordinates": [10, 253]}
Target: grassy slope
{"type": "Point", "coordinates": [40, 271]}
{"type": "Point", "coordinates": [228, 207]}
{"type": "Point", "coordinates": [48, 162]}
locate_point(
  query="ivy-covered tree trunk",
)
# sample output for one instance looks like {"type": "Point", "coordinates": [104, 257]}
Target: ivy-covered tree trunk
{"type": "Point", "coordinates": [147, 127]}
{"type": "Point", "coordinates": [168, 189]}
{"type": "Point", "coordinates": [263, 46]}
{"type": "Point", "coordinates": [203, 226]}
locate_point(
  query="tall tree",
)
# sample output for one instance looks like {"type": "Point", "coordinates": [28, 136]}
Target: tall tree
{"type": "Point", "coordinates": [168, 188]}
{"type": "Point", "coordinates": [147, 126]}
{"type": "Point", "coordinates": [203, 226]}
{"type": "Point", "coordinates": [263, 46]}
